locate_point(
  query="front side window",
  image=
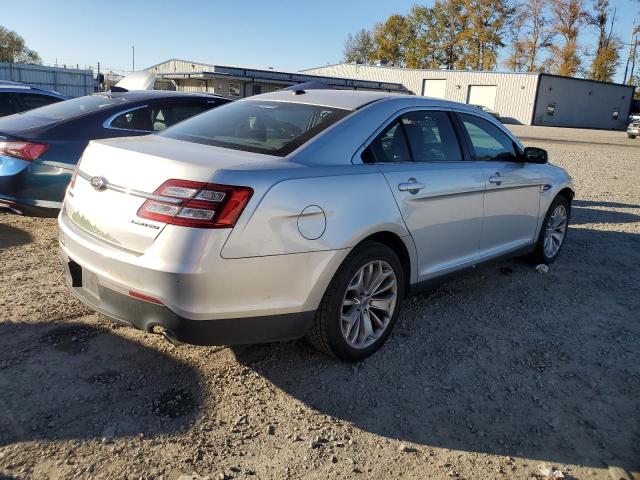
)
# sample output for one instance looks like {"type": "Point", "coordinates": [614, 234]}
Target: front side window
{"type": "Point", "coordinates": [431, 136]}
{"type": "Point", "coordinates": [166, 116]}
{"type": "Point", "coordinates": [488, 142]}
{"type": "Point", "coordinates": [272, 128]}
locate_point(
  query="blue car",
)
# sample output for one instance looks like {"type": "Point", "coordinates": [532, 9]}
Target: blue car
{"type": "Point", "coordinates": [17, 97]}
{"type": "Point", "coordinates": [40, 148]}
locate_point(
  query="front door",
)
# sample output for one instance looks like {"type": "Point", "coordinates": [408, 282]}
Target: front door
{"type": "Point", "coordinates": [512, 196]}
{"type": "Point", "coordinates": [439, 194]}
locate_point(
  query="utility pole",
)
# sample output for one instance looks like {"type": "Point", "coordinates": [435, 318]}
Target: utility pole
{"type": "Point", "coordinates": [633, 58]}
{"type": "Point", "coordinates": [631, 52]}
{"type": "Point", "coordinates": [133, 58]}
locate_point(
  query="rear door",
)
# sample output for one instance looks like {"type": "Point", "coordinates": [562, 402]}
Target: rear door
{"type": "Point", "coordinates": [512, 196]}
{"type": "Point", "coordinates": [439, 193]}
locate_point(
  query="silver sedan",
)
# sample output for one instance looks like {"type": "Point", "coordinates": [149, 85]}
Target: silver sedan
{"type": "Point", "coordinates": [307, 213]}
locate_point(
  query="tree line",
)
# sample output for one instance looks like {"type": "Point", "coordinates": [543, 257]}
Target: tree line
{"type": "Point", "coordinates": [538, 35]}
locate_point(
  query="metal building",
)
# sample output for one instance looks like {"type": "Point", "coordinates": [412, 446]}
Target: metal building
{"type": "Point", "coordinates": [236, 82]}
{"type": "Point", "coordinates": [71, 82]}
{"type": "Point", "coordinates": [521, 98]}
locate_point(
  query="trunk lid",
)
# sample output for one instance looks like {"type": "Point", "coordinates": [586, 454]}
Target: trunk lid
{"type": "Point", "coordinates": [132, 168]}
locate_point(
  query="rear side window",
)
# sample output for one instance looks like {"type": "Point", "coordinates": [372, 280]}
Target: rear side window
{"type": "Point", "coordinates": [272, 128]}
{"type": "Point", "coordinates": [31, 100]}
{"type": "Point", "coordinates": [138, 119]}
{"type": "Point", "coordinates": [488, 142]}
{"type": "Point", "coordinates": [388, 147]}
{"type": "Point", "coordinates": [431, 136]}
{"type": "Point", "coordinates": [8, 105]}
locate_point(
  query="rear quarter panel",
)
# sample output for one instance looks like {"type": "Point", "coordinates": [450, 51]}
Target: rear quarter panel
{"type": "Point", "coordinates": [356, 201]}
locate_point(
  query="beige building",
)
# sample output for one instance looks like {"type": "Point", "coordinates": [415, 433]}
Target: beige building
{"type": "Point", "coordinates": [521, 98]}
{"type": "Point", "coordinates": [237, 82]}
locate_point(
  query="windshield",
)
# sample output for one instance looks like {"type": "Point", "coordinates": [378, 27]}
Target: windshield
{"type": "Point", "coordinates": [73, 107]}
{"type": "Point", "coordinates": [272, 128]}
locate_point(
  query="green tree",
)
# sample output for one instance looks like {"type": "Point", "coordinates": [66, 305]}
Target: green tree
{"type": "Point", "coordinates": [568, 18]}
{"type": "Point", "coordinates": [486, 21]}
{"type": "Point", "coordinates": [517, 56]}
{"type": "Point", "coordinates": [607, 56]}
{"type": "Point", "coordinates": [391, 38]}
{"type": "Point", "coordinates": [14, 50]}
{"type": "Point", "coordinates": [360, 48]}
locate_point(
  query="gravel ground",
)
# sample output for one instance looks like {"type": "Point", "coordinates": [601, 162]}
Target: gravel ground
{"type": "Point", "coordinates": [500, 374]}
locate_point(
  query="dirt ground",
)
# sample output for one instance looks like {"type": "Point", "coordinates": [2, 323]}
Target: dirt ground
{"type": "Point", "coordinates": [499, 374]}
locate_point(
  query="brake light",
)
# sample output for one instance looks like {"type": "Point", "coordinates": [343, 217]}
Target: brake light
{"type": "Point", "coordinates": [23, 150]}
{"type": "Point", "coordinates": [196, 204]}
{"type": "Point", "coordinates": [72, 183]}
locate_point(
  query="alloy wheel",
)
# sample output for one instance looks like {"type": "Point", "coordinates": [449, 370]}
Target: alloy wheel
{"type": "Point", "coordinates": [368, 304]}
{"type": "Point", "coordinates": [556, 230]}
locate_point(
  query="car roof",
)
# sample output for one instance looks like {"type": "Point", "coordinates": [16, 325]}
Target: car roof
{"type": "Point", "coordinates": [355, 99]}
{"type": "Point", "coordinates": [135, 95]}
{"type": "Point", "coordinates": [14, 87]}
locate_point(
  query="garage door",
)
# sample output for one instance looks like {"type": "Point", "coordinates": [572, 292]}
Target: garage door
{"type": "Point", "coordinates": [434, 87]}
{"type": "Point", "coordinates": [482, 95]}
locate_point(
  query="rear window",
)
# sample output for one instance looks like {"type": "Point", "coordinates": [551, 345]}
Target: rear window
{"type": "Point", "coordinates": [272, 128]}
{"type": "Point", "coordinates": [74, 107]}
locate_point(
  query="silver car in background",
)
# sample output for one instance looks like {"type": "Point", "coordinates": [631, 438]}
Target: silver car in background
{"type": "Point", "coordinates": [307, 213]}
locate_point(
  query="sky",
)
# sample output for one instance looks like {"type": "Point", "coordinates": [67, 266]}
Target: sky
{"type": "Point", "coordinates": [284, 34]}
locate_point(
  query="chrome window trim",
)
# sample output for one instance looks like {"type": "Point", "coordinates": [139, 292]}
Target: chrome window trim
{"type": "Point", "coordinates": [357, 160]}
{"type": "Point", "coordinates": [133, 192]}
{"type": "Point", "coordinates": [107, 123]}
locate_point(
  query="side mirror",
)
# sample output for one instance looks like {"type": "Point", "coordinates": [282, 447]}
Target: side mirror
{"type": "Point", "coordinates": [535, 155]}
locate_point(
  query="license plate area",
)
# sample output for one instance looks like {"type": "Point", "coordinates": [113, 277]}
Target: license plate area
{"type": "Point", "coordinates": [83, 278]}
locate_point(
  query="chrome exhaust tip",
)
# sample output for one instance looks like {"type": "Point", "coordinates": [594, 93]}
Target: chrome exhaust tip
{"type": "Point", "coordinates": [170, 337]}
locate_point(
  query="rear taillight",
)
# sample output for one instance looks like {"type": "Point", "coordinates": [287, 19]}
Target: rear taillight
{"type": "Point", "coordinates": [23, 150]}
{"type": "Point", "coordinates": [196, 204]}
{"type": "Point", "coordinates": [72, 183]}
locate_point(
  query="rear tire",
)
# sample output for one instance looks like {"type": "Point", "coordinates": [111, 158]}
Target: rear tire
{"type": "Point", "coordinates": [553, 232]}
{"type": "Point", "coordinates": [355, 317]}
{"type": "Point", "coordinates": [631, 136]}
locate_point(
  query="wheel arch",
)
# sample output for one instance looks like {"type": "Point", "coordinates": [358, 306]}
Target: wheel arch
{"type": "Point", "coordinates": [403, 247]}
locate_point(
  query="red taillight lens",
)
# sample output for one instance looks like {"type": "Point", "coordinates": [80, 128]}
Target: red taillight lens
{"type": "Point", "coordinates": [196, 204]}
{"type": "Point", "coordinates": [72, 183]}
{"type": "Point", "coordinates": [23, 150]}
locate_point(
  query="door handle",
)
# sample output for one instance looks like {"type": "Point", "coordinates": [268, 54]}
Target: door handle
{"type": "Point", "coordinates": [412, 186]}
{"type": "Point", "coordinates": [496, 178]}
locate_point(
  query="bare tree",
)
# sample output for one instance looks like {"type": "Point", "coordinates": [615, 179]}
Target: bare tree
{"type": "Point", "coordinates": [516, 59]}
{"type": "Point", "coordinates": [360, 47]}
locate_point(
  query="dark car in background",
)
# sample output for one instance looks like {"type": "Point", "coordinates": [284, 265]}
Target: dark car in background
{"type": "Point", "coordinates": [17, 97]}
{"type": "Point", "coordinates": [39, 149]}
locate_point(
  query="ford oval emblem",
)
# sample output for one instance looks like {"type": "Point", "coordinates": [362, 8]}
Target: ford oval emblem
{"type": "Point", "coordinates": [99, 183]}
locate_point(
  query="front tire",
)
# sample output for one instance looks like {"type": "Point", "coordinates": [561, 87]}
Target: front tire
{"type": "Point", "coordinates": [553, 232]}
{"type": "Point", "coordinates": [631, 136]}
{"type": "Point", "coordinates": [361, 304]}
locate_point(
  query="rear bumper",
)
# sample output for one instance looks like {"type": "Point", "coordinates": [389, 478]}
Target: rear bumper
{"type": "Point", "coordinates": [34, 188]}
{"type": "Point", "coordinates": [145, 316]}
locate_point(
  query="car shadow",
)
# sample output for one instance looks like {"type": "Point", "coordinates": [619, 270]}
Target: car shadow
{"type": "Point", "coordinates": [76, 380]}
{"type": "Point", "coordinates": [584, 215]}
{"type": "Point", "coordinates": [13, 237]}
{"type": "Point", "coordinates": [592, 203]}
{"type": "Point", "coordinates": [505, 361]}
